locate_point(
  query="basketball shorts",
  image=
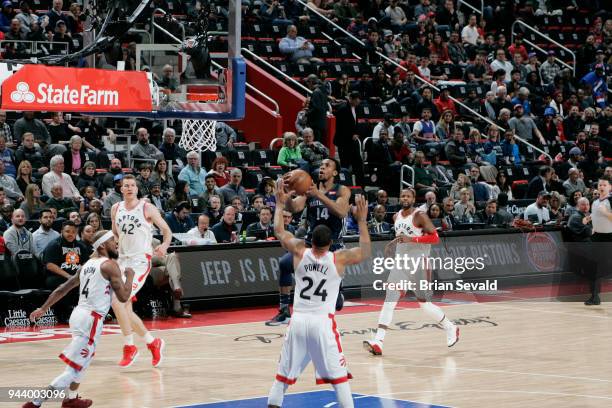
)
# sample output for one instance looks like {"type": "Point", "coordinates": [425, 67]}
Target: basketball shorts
{"type": "Point", "coordinates": [312, 338]}
{"type": "Point", "coordinates": [141, 265]}
{"type": "Point", "coordinates": [416, 277]}
{"type": "Point", "coordinates": [86, 328]}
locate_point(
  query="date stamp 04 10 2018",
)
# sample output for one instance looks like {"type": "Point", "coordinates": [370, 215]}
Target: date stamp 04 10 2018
{"type": "Point", "coordinates": [23, 394]}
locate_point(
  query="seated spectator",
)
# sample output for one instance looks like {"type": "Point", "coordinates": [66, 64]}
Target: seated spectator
{"type": "Point", "coordinates": [574, 182]}
{"type": "Point", "coordinates": [32, 205]}
{"type": "Point", "coordinates": [538, 211]}
{"type": "Point", "coordinates": [214, 209]}
{"type": "Point", "coordinates": [26, 16]}
{"type": "Point", "coordinates": [426, 102]}
{"type": "Point", "coordinates": [510, 150]}
{"type": "Point", "coordinates": [444, 103]}
{"type": "Point", "coordinates": [525, 127]}
{"type": "Point", "coordinates": [45, 233]}
{"type": "Point", "coordinates": [477, 71]}
{"type": "Point", "coordinates": [16, 33]}
{"type": "Point", "coordinates": [481, 189]}
{"type": "Point", "coordinates": [202, 230]}
{"type": "Point", "coordinates": [234, 188]}
{"type": "Point", "coordinates": [74, 157]}
{"type": "Point", "coordinates": [267, 188]}
{"type": "Point", "coordinates": [11, 189]}
{"type": "Point", "coordinates": [463, 181]}
{"type": "Point", "coordinates": [64, 256]}
{"type": "Point", "coordinates": [59, 130]}
{"type": "Point", "coordinates": [24, 175]}
{"type": "Point", "coordinates": [301, 120]}
{"type": "Point", "coordinates": [113, 197]}
{"type": "Point", "coordinates": [448, 211]}
{"type": "Point", "coordinates": [143, 149]}
{"type": "Point", "coordinates": [63, 205]}
{"type": "Point", "coordinates": [180, 194]}
{"type": "Point", "coordinates": [6, 131]}
{"type": "Point", "coordinates": [163, 177]}
{"type": "Point", "coordinates": [424, 130]}
{"type": "Point", "coordinates": [297, 49]}
{"type": "Point", "coordinates": [257, 203]}
{"type": "Point", "coordinates": [95, 207]}
{"type": "Point", "coordinates": [557, 201]}
{"type": "Point", "coordinates": [423, 177]}
{"type": "Point", "coordinates": [457, 152]}
{"type": "Point", "coordinates": [210, 189]}
{"type": "Point", "coordinates": [17, 237]}
{"type": "Point", "coordinates": [501, 62]}
{"type": "Point", "coordinates": [549, 69]}
{"type": "Point", "coordinates": [55, 14]}
{"type": "Point", "coordinates": [580, 224]}
{"type": "Point", "coordinates": [225, 135]}
{"type": "Point", "coordinates": [156, 198]}
{"type": "Point", "coordinates": [87, 177]}
{"type": "Point", "coordinates": [108, 181]}
{"type": "Point", "coordinates": [272, 11]}
{"type": "Point", "coordinates": [263, 229]}
{"type": "Point", "coordinates": [6, 214]}
{"type": "Point", "coordinates": [445, 126]}
{"type": "Point", "coordinates": [442, 176]}
{"type": "Point", "coordinates": [29, 124]}
{"type": "Point", "coordinates": [399, 151]}
{"type": "Point", "coordinates": [89, 195]}
{"type": "Point", "coordinates": [456, 51]}
{"type": "Point", "coordinates": [193, 174]}
{"type": "Point", "coordinates": [430, 199]}
{"type": "Point", "coordinates": [385, 124]}
{"type": "Point", "coordinates": [219, 171]}
{"type": "Point", "coordinates": [168, 80]}
{"type": "Point", "coordinates": [502, 185]}
{"type": "Point", "coordinates": [92, 133]}
{"type": "Point", "coordinates": [94, 221]}
{"type": "Point", "coordinates": [382, 198]}
{"type": "Point", "coordinates": [539, 183]}
{"type": "Point", "coordinates": [225, 230]}
{"type": "Point", "coordinates": [289, 156]}
{"type": "Point", "coordinates": [179, 219]}
{"type": "Point", "coordinates": [489, 215]}
{"type": "Point", "coordinates": [143, 180]}
{"type": "Point", "coordinates": [464, 208]}
{"type": "Point", "coordinates": [57, 176]}
{"type": "Point", "coordinates": [377, 224]}
{"type": "Point", "coordinates": [312, 152]}
{"type": "Point", "coordinates": [8, 157]}
{"type": "Point", "coordinates": [172, 152]}
{"type": "Point", "coordinates": [61, 35]}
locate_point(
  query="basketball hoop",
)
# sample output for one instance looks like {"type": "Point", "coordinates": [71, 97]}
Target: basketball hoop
{"type": "Point", "coordinates": [198, 135]}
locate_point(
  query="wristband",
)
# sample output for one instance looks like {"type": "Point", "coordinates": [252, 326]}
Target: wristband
{"type": "Point", "coordinates": [431, 238]}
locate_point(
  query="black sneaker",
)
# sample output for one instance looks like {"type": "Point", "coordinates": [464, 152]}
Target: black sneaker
{"type": "Point", "coordinates": [593, 301]}
{"type": "Point", "coordinates": [282, 317]}
{"type": "Point", "coordinates": [340, 301]}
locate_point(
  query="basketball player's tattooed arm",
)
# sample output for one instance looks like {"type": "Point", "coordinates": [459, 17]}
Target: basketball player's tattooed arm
{"type": "Point", "coordinates": [364, 250]}
{"type": "Point", "coordinates": [110, 270]}
{"type": "Point", "coordinates": [55, 296]}
{"type": "Point", "coordinates": [287, 240]}
{"type": "Point", "coordinates": [154, 215]}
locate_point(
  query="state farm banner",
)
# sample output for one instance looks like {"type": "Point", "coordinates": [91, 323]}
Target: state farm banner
{"type": "Point", "coordinates": [46, 88]}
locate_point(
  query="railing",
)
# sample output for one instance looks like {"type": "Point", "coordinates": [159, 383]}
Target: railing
{"type": "Point", "coordinates": [362, 147]}
{"type": "Point", "coordinates": [474, 9]}
{"type": "Point", "coordinates": [31, 48]}
{"type": "Point", "coordinates": [141, 32]}
{"type": "Point", "coordinates": [547, 38]}
{"type": "Point", "coordinates": [403, 183]}
{"type": "Point", "coordinates": [275, 141]}
{"type": "Point", "coordinates": [393, 62]}
{"type": "Point", "coordinates": [278, 71]}
{"type": "Point", "coordinates": [154, 25]}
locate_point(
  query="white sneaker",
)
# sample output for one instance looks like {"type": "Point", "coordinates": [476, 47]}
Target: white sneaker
{"type": "Point", "coordinates": [373, 346]}
{"type": "Point", "coordinates": [452, 335]}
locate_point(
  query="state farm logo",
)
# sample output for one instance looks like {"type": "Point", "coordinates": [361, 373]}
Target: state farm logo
{"type": "Point", "coordinates": [22, 94]}
{"type": "Point", "coordinates": [50, 95]}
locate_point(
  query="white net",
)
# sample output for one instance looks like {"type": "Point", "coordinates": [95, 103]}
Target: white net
{"type": "Point", "coordinates": [198, 135]}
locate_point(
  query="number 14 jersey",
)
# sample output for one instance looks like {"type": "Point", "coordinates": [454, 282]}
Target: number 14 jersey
{"type": "Point", "coordinates": [135, 232]}
{"type": "Point", "coordinates": [317, 284]}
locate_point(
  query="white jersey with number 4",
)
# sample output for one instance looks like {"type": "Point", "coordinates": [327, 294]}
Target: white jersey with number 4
{"type": "Point", "coordinates": [135, 232]}
{"type": "Point", "coordinates": [95, 290]}
{"type": "Point", "coordinates": [317, 284]}
{"type": "Point", "coordinates": [405, 226]}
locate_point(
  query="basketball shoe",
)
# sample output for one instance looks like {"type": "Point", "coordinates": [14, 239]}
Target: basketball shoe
{"type": "Point", "coordinates": [156, 347]}
{"type": "Point", "coordinates": [283, 317]}
{"type": "Point", "coordinates": [77, 402]}
{"type": "Point", "coordinates": [373, 346]}
{"type": "Point", "coordinates": [130, 353]}
{"type": "Point", "coordinates": [452, 335]}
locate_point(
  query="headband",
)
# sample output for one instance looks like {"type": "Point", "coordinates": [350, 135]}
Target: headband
{"type": "Point", "coordinates": [103, 239]}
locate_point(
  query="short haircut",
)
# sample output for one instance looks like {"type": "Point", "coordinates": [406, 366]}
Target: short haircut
{"type": "Point", "coordinates": [209, 176]}
{"type": "Point", "coordinates": [183, 205]}
{"type": "Point", "coordinates": [321, 236]}
{"type": "Point", "coordinates": [55, 160]}
{"type": "Point", "coordinates": [43, 211]}
{"type": "Point", "coordinates": [544, 170]}
{"type": "Point", "coordinates": [68, 223]}
{"type": "Point", "coordinates": [128, 177]}
{"type": "Point", "coordinates": [265, 207]}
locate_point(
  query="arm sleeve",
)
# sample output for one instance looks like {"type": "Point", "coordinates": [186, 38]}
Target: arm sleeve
{"type": "Point", "coordinates": [431, 238]}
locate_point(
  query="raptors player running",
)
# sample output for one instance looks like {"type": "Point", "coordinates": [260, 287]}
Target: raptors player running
{"type": "Point", "coordinates": [414, 235]}
{"type": "Point", "coordinates": [312, 334]}
{"type": "Point", "coordinates": [97, 280]}
{"type": "Point", "coordinates": [133, 221]}
{"type": "Point", "coordinates": [327, 204]}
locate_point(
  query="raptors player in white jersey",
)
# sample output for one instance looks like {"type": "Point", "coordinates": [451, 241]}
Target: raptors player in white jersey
{"type": "Point", "coordinates": [98, 279]}
{"type": "Point", "coordinates": [313, 335]}
{"type": "Point", "coordinates": [415, 234]}
{"type": "Point", "coordinates": [133, 221]}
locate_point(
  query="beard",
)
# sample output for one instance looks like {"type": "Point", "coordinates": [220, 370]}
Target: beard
{"type": "Point", "coordinates": [406, 206]}
{"type": "Point", "coordinates": [112, 254]}
{"type": "Point", "coordinates": [115, 170]}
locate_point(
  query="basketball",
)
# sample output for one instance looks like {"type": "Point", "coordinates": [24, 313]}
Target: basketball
{"type": "Point", "coordinates": [299, 181]}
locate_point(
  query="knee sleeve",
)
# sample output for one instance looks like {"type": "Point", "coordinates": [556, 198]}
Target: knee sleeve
{"type": "Point", "coordinates": [286, 270]}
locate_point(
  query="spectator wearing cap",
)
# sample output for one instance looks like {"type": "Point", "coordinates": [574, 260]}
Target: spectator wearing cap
{"type": "Point", "coordinates": [114, 196]}
{"type": "Point", "coordinates": [386, 123]}
{"type": "Point", "coordinates": [443, 102]}
{"type": "Point", "coordinates": [539, 183]}
{"type": "Point", "coordinates": [522, 98]}
{"type": "Point", "coordinates": [501, 62]}
{"type": "Point", "coordinates": [6, 15]}
{"type": "Point", "coordinates": [596, 80]}
{"type": "Point", "coordinates": [61, 35]}
{"type": "Point", "coordinates": [574, 182]}
{"type": "Point", "coordinates": [549, 69]}
{"type": "Point", "coordinates": [548, 127]}
{"type": "Point", "coordinates": [600, 58]}
{"type": "Point", "coordinates": [525, 127]}
{"type": "Point", "coordinates": [538, 211]}
{"type": "Point", "coordinates": [296, 48]}
{"type": "Point", "coordinates": [55, 14]}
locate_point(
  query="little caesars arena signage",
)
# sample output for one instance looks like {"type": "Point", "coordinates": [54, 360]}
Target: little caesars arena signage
{"type": "Point", "coordinates": [254, 268]}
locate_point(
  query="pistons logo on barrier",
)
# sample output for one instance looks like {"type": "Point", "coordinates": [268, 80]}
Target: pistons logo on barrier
{"type": "Point", "coordinates": [542, 251]}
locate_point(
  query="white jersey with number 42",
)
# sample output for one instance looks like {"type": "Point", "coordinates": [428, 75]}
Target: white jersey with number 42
{"type": "Point", "coordinates": [94, 290]}
{"type": "Point", "coordinates": [135, 232]}
{"type": "Point", "coordinates": [317, 284]}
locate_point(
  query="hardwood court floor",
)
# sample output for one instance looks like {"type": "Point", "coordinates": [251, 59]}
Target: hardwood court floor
{"type": "Point", "coordinates": [511, 354]}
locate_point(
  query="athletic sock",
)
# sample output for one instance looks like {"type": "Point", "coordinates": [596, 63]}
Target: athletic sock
{"type": "Point", "coordinates": [277, 393]}
{"type": "Point", "coordinates": [285, 300]}
{"type": "Point", "coordinates": [72, 394]}
{"type": "Point", "coordinates": [433, 311]}
{"type": "Point", "coordinates": [129, 340]}
{"type": "Point", "coordinates": [380, 334]}
{"type": "Point", "coordinates": [343, 394]}
{"type": "Point", "coordinates": [148, 338]}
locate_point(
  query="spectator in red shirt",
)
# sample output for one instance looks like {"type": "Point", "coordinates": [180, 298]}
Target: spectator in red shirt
{"type": "Point", "coordinates": [518, 47]}
{"type": "Point", "coordinates": [409, 64]}
{"type": "Point", "coordinates": [444, 102]}
{"type": "Point", "coordinates": [399, 151]}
